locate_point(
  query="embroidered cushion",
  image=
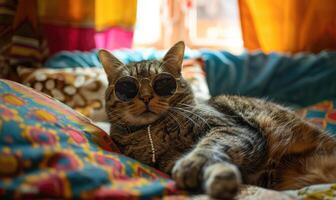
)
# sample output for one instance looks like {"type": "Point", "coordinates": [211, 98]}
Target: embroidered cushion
{"type": "Point", "coordinates": [49, 150]}
{"type": "Point", "coordinates": [322, 114]}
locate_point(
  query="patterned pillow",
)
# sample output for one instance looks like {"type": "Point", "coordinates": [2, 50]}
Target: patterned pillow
{"type": "Point", "coordinates": [49, 150]}
{"type": "Point", "coordinates": [322, 114]}
{"type": "Point", "coordinates": [83, 89]}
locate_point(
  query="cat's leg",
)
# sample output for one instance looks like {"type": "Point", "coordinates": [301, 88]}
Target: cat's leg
{"type": "Point", "coordinates": [308, 170]}
{"type": "Point", "coordinates": [305, 154]}
{"type": "Point", "coordinates": [286, 132]}
{"type": "Point", "coordinates": [213, 165]}
{"type": "Point", "coordinates": [199, 170]}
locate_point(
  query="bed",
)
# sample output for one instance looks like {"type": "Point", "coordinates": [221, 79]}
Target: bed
{"type": "Point", "coordinates": [51, 148]}
{"type": "Point", "coordinates": [48, 150]}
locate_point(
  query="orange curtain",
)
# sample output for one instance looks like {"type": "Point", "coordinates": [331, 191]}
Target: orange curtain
{"type": "Point", "coordinates": [288, 25]}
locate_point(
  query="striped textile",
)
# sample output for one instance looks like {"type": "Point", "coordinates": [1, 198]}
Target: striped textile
{"type": "Point", "coordinates": [21, 40]}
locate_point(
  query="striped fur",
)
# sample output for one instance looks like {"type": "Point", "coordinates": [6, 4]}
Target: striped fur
{"type": "Point", "coordinates": [214, 147]}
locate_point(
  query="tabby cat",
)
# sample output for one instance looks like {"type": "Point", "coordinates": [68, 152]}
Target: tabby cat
{"type": "Point", "coordinates": [212, 147]}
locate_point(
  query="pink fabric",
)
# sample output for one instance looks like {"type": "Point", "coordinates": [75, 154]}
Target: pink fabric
{"type": "Point", "coordinates": [114, 38]}
{"type": "Point", "coordinates": [68, 38]}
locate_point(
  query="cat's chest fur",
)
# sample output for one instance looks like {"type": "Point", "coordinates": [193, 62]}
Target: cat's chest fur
{"type": "Point", "coordinates": [171, 138]}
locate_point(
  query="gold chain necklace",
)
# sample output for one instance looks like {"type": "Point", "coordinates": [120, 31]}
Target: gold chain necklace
{"type": "Point", "coordinates": [151, 143]}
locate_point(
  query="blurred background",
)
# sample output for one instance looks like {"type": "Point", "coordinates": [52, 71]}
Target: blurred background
{"type": "Point", "coordinates": [282, 50]}
{"type": "Point", "coordinates": [233, 25]}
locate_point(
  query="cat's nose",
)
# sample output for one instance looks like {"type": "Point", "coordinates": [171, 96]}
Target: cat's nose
{"type": "Point", "coordinates": [146, 98]}
{"type": "Point", "coordinates": [145, 91]}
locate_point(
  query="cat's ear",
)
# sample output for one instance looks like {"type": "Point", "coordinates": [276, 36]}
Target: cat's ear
{"type": "Point", "coordinates": [110, 63]}
{"type": "Point", "coordinates": [174, 58]}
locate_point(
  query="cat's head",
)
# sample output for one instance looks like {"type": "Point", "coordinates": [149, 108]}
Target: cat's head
{"type": "Point", "coordinates": [139, 93]}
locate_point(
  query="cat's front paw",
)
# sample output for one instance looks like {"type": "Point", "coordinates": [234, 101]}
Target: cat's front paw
{"type": "Point", "coordinates": [218, 180]}
{"type": "Point", "coordinates": [222, 180]}
{"type": "Point", "coordinates": [188, 171]}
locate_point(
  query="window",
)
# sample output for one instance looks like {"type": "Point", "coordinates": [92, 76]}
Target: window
{"type": "Point", "coordinates": [148, 23]}
{"type": "Point", "coordinates": [215, 24]}
{"type": "Point", "coordinates": [200, 23]}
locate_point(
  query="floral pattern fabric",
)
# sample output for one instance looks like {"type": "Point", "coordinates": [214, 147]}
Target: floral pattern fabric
{"type": "Point", "coordinates": [49, 150]}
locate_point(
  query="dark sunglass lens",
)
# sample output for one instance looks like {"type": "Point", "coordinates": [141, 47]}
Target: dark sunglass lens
{"type": "Point", "coordinates": [164, 85]}
{"type": "Point", "coordinates": [126, 88]}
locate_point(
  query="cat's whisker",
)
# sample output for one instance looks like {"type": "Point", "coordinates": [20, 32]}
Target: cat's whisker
{"type": "Point", "coordinates": [175, 119]}
{"type": "Point", "coordinates": [188, 106]}
{"type": "Point", "coordinates": [192, 113]}
{"type": "Point", "coordinates": [204, 110]}
{"type": "Point", "coordinates": [112, 113]}
{"type": "Point", "coordinates": [188, 121]}
{"type": "Point", "coordinates": [117, 119]}
{"type": "Point", "coordinates": [185, 116]}
{"type": "Point", "coordinates": [192, 108]}
{"type": "Point", "coordinates": [113, 117]}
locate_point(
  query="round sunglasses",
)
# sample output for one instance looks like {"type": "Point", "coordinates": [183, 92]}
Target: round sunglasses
{"type": "Point", "coordinates": [126, 88]}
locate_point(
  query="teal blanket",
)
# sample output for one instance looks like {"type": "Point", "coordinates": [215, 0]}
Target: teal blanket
{"type": "Point", "coordinates": [298, 80]}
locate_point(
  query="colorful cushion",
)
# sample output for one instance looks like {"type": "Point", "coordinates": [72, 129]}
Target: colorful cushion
{"type": "Point", "coordinates": [49, 150]}
{"type": "Point", "coordinates": [322, 114]}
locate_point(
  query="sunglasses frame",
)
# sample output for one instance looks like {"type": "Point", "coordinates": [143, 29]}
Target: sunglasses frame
{"type": "Point", "coordinates": [138, 83]}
